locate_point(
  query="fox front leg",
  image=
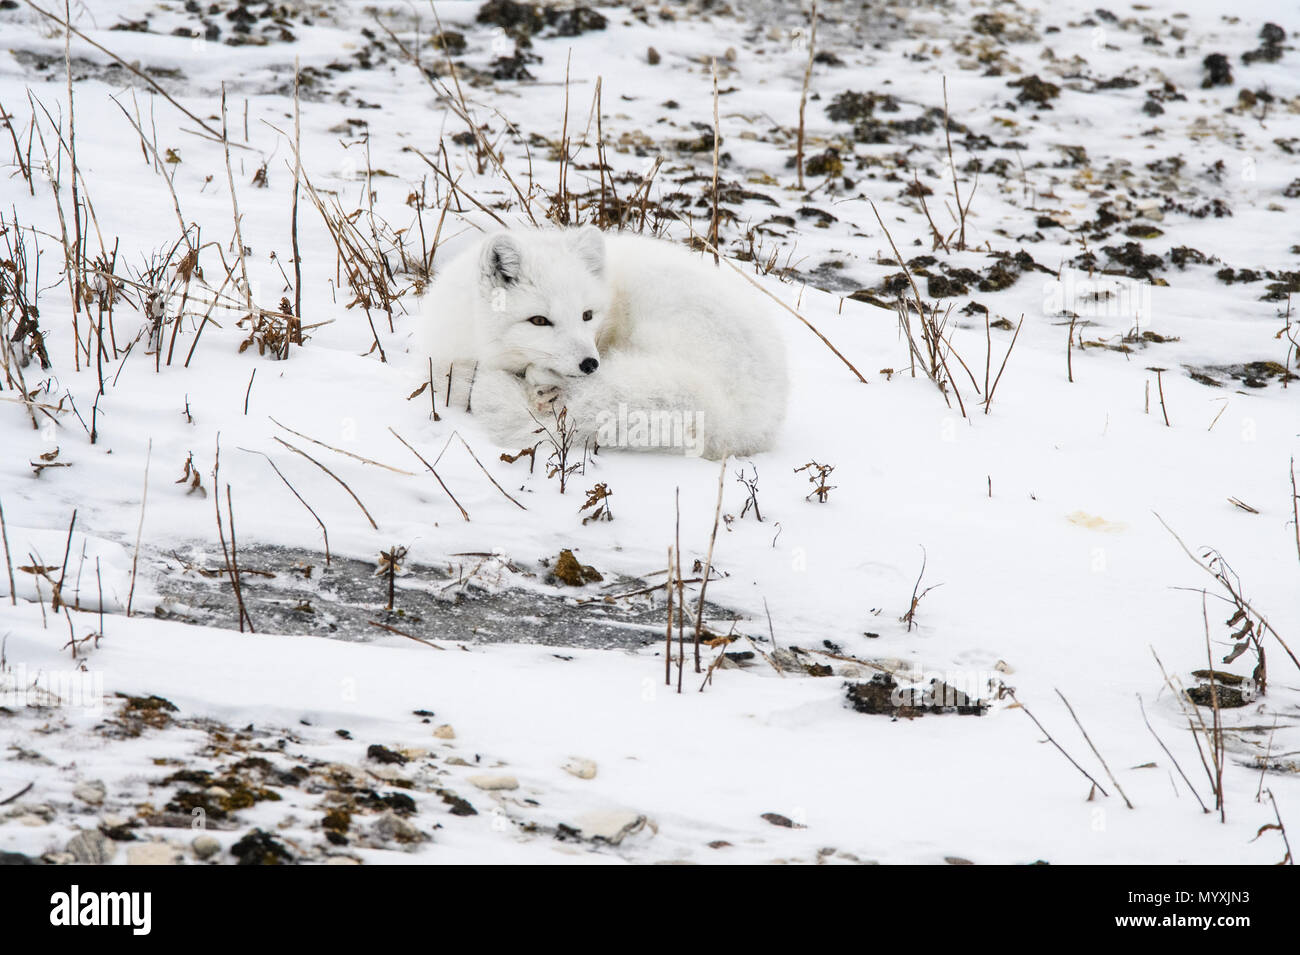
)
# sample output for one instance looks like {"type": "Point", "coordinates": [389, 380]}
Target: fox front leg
{"type": "Point", "coordinates": [543, 389]}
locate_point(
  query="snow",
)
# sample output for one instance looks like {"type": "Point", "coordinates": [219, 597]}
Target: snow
{"type": "Point", "coordinates": [1041, 520]}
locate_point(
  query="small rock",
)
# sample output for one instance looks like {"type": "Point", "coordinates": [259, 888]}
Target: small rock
{"type": "Point", "coordinates": [582, 768]}
{"type": "Point", "coordinates": [652, 56]}
{"type": "Point", "coordinates": [153, 853]}
{"type": "Point", "coordinates": [91, 847]}
{"type": "Point", "coordinates": [612, 826]}
{"type": "Point", "coordinates": [393, 828]}
{"type": "Point", "coordinates": [776, 819]}
{"type": "Point", "coordinates": [957, 860]}
{"type": "Point", "coordinates": [494, 783]}
{"type": "Point", "coordinates": [445, 732]}
{"type": "Point", "coordinates": [260, 848]}
{"type": "Point", "coordinates": [205, 847]}
{"type": "Point", "coordinates": [457, 761]}
{"type": "Point", "coordinates": [40, 810]}
{"type": "Point", "coordinates": [382, 754]}
{"type": "Point", "coordinates": [91, 792]}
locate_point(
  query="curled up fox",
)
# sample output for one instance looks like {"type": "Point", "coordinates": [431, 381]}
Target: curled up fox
{"type": "Point", "coordinates": [641, 343]}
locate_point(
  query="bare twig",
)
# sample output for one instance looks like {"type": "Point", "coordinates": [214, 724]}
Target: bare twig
{"type": "Point", "coordinates": [139, 532]}
{"type": "Point", "coordinates": [803, 96]}
{"type": "Point", "coordinates": [486, 473]}
{"type": "Point", "coordinates": [708, 563]}
{"type": "Point", "coordinates": [717, 139]}
{"type": "Point", "coordinates": [1197, 795]}
{"type": "Point", "coordinates": [403, 633]}
{"type": "Point", "coordinates": [1289, 858]}
{"type": "Point", "coordinates": [463, 513]}
{"type": "Point", "coordinates": [1094, 749]}
{"type": "Point", "coordinates": [234, 205]}
{"type": "Point", "coordinates": [9, 564]}
{"type": "Point", "coordinates": [988, 398]}
{"type": "Point", "coordinates": [1232, 590]}
{"type": "Point", "coordinates": [234, 561]}
{"type": "Point", "coordinates": [1216, 741]}
{"type": "Point", "coordinates": [295, 328]}
{"type": "Point", "coordinates": [349, 454]}
{"type": "Point", "coordinates": [340, 481]}
{"type": "Point", "coordinates": [1011, 693]}
{"type": "Point", "coordinates": [668, 636]}
{"type": "Point", "coordinates": [324, 532]}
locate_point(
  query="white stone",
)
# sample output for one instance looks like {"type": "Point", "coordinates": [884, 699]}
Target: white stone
{"type": "Point", "coordinates": [91, 792]}
{"type": "Point", "coordinates": [611, 826]}
{"type": "Point", "coordinates": [582, 768]}
{"type": "Point", "coordinates": [494, 783]}
{"type": "Point", "coordinates": [153, 853]}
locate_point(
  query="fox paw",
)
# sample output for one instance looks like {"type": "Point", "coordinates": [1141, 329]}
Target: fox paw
{"type": "Point", "coordinates": [544, 399]}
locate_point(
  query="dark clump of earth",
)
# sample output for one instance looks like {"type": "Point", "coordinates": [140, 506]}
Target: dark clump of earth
{"type": "Point", "coordinates": [1218, 71]}
{"type": "Point", "coordinates": [1036, 91]}
{"type": "Point", "coordinates": [261, 848]}
{"type": "Point", "coordinates": [882, 695]}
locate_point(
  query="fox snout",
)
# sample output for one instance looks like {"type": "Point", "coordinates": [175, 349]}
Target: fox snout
{"type": "Point", "coordinates": [588, 365]}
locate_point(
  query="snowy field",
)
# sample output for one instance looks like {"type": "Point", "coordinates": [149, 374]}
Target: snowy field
{"type": "Point", "coordinates": [1096, 266]}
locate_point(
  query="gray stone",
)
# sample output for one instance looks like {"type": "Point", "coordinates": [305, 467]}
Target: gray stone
{"type": "Point", "coordinates": [90, 791]}
{"type": "Point", "coordinates": [91, 847]}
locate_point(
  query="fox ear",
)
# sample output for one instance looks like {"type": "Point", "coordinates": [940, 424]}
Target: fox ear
{"type": "Point", "coordinates": [588, 243]}
{"type": "Point", "coordinates": [500, 260]}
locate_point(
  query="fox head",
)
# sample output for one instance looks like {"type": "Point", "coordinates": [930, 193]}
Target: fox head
{"type": "Point", "coordinates": [543, 299]}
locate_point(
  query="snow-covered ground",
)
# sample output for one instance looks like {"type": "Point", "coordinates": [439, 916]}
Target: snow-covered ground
{"type": "Point", "coordinates": [1038, 523]}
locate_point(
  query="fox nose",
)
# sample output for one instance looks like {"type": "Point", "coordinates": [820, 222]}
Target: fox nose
{"type": "Point", "coordinates": [588, 365]}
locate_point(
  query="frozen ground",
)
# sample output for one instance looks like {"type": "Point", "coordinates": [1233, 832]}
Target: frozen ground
{"type": "Point", "coordinates": [1114, 202]}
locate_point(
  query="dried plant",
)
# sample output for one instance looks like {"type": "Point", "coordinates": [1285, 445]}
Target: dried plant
{"type": "Point", "coordinates": [818, 477]}
{"type": "Point", "coordinates": [598, 503]}
{"type": "Point", "coordinates": [390, 567]}
{"type": "Point", "coordinates": [562, 436]}
{"type": "Point", "coordinates": [190, 476]}
{"type": "Point", "coordinates": [750, 484]}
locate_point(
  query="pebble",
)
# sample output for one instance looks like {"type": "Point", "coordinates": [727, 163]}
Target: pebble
{"type": "Point", "coordinates": [91, 847]}
{"type": "Point", "coordinates": [612, 826]}
{"type": "Point", "coordinates": [582, 768]}
{"type": "Point", "coordinates": [205, 847]}
{"type": "Point", "coordinates": [391, 826]}
{"type": "Point", "coordinates": [445, 732]}
{"type": "Point", "coordinates": [153, 853]}
{"type": "Point", "coordinates": [494, 783]}
{"type": "Point", "coordinates": [91, 792]}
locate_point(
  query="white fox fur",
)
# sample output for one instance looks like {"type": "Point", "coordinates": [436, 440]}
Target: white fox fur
{"type": "Point", "coordinates": [647, 345]}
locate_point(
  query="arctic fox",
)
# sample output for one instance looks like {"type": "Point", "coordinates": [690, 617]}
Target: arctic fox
{"type": "Point", "coordinates": [637, 342]}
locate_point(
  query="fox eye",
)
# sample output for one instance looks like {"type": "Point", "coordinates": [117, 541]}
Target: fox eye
{"type": "Point", "coordinates": [588, 315]}
{"type": "Point", "coordinates": [540, 320]}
